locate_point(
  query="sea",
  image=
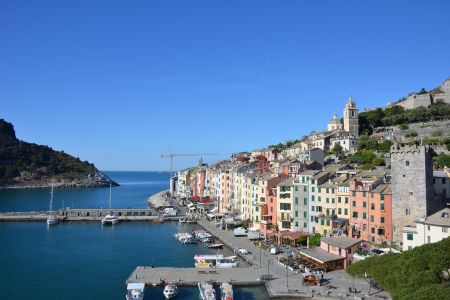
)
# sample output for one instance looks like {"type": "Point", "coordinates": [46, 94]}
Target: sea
{"type": "Point", "coordinates": [85, 260]}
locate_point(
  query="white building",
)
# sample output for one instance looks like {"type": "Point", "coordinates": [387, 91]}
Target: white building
{"type": "Point", "coordinates": [431, 229]}
{"type": "Point", "coordinates": [348, 142]}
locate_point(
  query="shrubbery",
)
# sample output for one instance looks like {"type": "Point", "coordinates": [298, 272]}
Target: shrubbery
{"type": "Point", "coordinates": [415, 274]}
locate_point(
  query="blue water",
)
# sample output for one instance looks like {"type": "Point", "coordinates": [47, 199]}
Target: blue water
{"type": "Point", "coordinates": [84, 260]}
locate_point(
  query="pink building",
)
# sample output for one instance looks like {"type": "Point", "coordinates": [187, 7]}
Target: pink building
{"type": "Point", "coordinates": [334, 253]}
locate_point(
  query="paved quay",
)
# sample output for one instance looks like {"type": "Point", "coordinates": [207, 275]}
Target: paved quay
{"type": "Point", "coordinates": [285, 283]}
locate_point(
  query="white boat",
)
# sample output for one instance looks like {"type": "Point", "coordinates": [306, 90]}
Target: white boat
{"type": "Point", "coordinates": [135, 291]}
{"type": "Point", "coordinates": [170, 291]}
{"type": "Point", "coordinates": [110, 219]}
{"type": "Point", "coordinates": [215, 261]}
{"type": "Point", "coordinates": [182, 220]}
{"type": "Point", "coordinates": [226, 291]}
{"type": "Point", "coordinates": [215, 246]}
{"type": "Point", "coordinates": [51, 220]}
{"type": "Point", "coordinates": [184, 237]}
{"type": "Point", "coordinates": [207, 291]}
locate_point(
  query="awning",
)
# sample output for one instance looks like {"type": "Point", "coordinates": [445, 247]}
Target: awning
{"type": "Point", "coordinates": [320, 255]}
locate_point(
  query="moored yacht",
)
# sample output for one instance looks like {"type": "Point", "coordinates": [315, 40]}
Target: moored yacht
{"type": "Point", "coordinates": [226, 291]}
{"type": "Point", "coordinates": [51, 220]}
{"type": "Point", "coordinates": [207, 291]}
{"type": "Point", "coordinates": [110, 219]}
{"type": "Point", "coordinates": [135, 291]}
{"type": "Point", "coordinates": [170, 291]}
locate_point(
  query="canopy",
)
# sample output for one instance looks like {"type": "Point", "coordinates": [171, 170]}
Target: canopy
{"type": "Point", "coordinates": [136, 286]}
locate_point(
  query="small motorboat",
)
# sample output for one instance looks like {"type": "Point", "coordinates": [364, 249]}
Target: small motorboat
{"type": "Point", "coordinates": [110, 219]}
{"type": "Point", "coordinates": [226, 291]}
{"type": "Point", "coordinates": [52, 220]}
{"type": "Point", "coordinates": [207, 291]}
{"type": "Point", "coordinates": [215, 246]}
{"type": "Point", "coordinates": [170, 291]}
{"type": "Point", "coordinates": [135, 291]}
{"type": "Point", "coordinates": [182, 220]}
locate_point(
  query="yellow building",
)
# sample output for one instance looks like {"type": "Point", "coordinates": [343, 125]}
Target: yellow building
{"type": "Point", "coordinates": [285, 196]}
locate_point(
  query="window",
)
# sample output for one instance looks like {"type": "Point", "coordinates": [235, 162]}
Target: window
{"type": "Point", "coordinates": [312, 189]}
{"type": "Point", "coordinates": [285, 206]}
{"type": "Point", "coordinates": [312, 198]}
{"type": "Point", "coordinates": [444, 229]}
{"type": "Point", "coordinates": [339, 199]}
{"type": "Point", "coordinates": [257, 208]}
{"type": "Point", "coordinates": [332, 200]}
{"type": "Point", "coordinates": [372, 218]}
{"type": "Point", "coordinates": [328, 222]}
{"type": "Point", "coordinates": [305, 225]}
{"type": "Point", "coordinates": [355, 214]}
{"type": "Point", "coordinates": [296, 224]}
{"type": "Point", "coordinates": [382, 196]}
{"type": "Point", "coordinates": [257, 219]}
{"type": "Point", "coordinates": [319, 190]}
{"type": "Point", "coordinates": [296, 213]}
{"type": "Point", "coordinates": [339, 211]}
{"type": "Point", "coordinates": [372, 206]}
{"type": "Point", "coordinates": [346, 200]}
{"type": "Point", "coordinates": [333, 212]}
{"type": "Point", "coordinates": [304, 188]}
{"type": "Point", "coordinates": [407, 163]}
{"type": "Point", "coordinates": [313, 181]}
{"type": "Point", "coordinates": [328, 200]}
{"type": "Point", "coordinates": [382, 219]}
{"type": "Point", "coordinates": [372, 230]}
{"type": "Point", "coordinates": [296, 200]}
{"type": "Point", "coordinates": [305, 214]}
{"type": "Point", "coordinates": [328, 190]}
{"type": "Point", "coordinates": [346, 211]}
{"type": "Point", "coordinates": [319, 199]}
{"type": "Point", "coordinates": [327, 212]}
{"type": "Point", "coordinates": [321, 222]}
{"type": "Point", "coordinates": [382, 206]}
{"type": "Point", "coordinates": [354, 194]}
{"type": "Point", "coordinates": [364, 204]}
{"type": "Point", "coordinates": [354, 204]}
{"type": "Point", "coordinates": [364, 194]}
{"type": "Point", "coordinates": [296, 188]}
{"type": "Point", "coordinates": [428, 227]}
{"type": "Point", "coordinates": [407, 211]}
{"type": "Point", "coordinates": [371, 195]}
{"type": "Point", "coordinates": [364, 215]}
{"type": "Point", "coordinates": [305, 201]}
{"type": "Point", "coordinates": [312, 219]}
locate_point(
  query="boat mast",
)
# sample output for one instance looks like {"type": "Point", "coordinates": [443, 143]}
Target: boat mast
{"type": "Point", "coordinates": [51, 201]}
{"type": "Point", "coordinates": [110, 188]}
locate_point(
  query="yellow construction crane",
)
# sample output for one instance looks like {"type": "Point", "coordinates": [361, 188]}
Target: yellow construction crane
{"type": "Point", "coordinates": [172, 155]}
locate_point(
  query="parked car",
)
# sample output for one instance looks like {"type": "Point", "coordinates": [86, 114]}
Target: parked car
{"type": "Point", "coordinates": [243, 251]}
{"type": "Point", "coordinates": [241, 231]}
{"type": "Point", "coordinates": [274, 250]}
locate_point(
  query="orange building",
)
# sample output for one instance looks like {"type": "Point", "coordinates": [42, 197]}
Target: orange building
{"type": "Point", "coordinates": [370, 210]}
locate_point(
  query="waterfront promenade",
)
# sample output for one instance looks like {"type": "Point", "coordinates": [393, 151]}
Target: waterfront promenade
{"type": "Point", "coordinates": [285, 283]}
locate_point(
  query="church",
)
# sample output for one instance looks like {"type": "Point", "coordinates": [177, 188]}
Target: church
{"type": "Point", "coordinates": [345, 134]}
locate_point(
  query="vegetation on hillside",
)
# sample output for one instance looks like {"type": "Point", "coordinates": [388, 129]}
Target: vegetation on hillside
{"type": "Point", "coordinates": [441, 160]}
{"type": "Point", "coordinates": [18, 158]}
{"type": "Point", "coordinates": [420, 273]}
{"type": "Point", "coordinates": [397, 115]}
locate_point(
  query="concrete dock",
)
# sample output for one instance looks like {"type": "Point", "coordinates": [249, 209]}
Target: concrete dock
{"type": "Point", "coordinates": [284, 283]}
{"type": "Point", "coordinates": [86, 214]}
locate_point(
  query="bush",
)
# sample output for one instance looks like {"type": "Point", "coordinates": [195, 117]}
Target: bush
{"type": "Point", "coordinates": [415, 274]}
{"type": "Point", "coordinates": [411, 134]}
{"type": "Point", "coordinates": [403, 126]}
{"type": "Point", "coordinates": [437, 133]}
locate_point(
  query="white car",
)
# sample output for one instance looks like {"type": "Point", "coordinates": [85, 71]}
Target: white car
{"type": "Point", "coordinates": [243, 251]}
{"type": "Point", "coordinates": [274, 250]}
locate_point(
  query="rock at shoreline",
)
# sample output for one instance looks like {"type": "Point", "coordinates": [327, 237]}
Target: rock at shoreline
{"type": "Point", "coordinates": [160, 199]}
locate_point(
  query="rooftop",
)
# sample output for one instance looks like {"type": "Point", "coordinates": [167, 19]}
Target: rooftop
{"type": "Point", "coordinates": [441, 218]}
{"type": "Point", "coordinates": [320, 255]}
{"type": "Point", "coordinates": [340, 241]}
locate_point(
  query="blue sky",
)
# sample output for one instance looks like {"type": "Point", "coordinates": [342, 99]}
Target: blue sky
{"type": "Point", "coordinates": [120, 82]}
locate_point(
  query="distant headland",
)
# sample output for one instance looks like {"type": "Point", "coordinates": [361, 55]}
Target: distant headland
{"type": "Point", "coordinates": [28, 165]}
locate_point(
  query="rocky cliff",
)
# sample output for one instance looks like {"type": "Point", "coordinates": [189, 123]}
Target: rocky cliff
{"type": "Point", "coordinates": [25, 164]}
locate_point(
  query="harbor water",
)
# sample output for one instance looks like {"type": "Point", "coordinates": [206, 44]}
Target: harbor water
{"type": "Point", "coordinates": [85, 260]}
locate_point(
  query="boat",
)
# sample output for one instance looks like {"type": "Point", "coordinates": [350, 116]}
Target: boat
{"type": "Point", "coordinates": [184, 238]}
{"type": "Point", "coordinates": [135, 291]}
{"type": "Point", "coordinates": [207, 291]}
{"type": "Point", "coordinates": [51, 220]}
{"type": "Point", "coordinates": [215, 261]}
{"type": "Point", "coordinates": [215, 246]}
{"type": "Point", "coordinates": [182, 220]}
{"type": "Point", "coordinates": [226, 291]}
{"type": "Point", "coordinates": [110, 219]}
{"type": "Point", "coordinates": [170, 291]}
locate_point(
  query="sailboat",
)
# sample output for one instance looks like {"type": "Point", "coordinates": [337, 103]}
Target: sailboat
{"type": "Point", "coordinates": [110, 219]}
{"type": "Point", "coordinates": [51, 220]}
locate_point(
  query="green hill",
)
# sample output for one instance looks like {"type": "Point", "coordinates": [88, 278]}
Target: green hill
{"type": "Point", "coordinates": [420, 273]}
{"type": "Point", "coordinates": [25, 164]}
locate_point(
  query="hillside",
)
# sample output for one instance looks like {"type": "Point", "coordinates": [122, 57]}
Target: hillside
{"type": "Point", "coordinates": [420, 273]}
{"type": "Point", "coordinates": [25, 164]}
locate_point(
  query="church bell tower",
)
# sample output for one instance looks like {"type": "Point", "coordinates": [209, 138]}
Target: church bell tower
{"type": "Point", "coordinates": [351, 124]}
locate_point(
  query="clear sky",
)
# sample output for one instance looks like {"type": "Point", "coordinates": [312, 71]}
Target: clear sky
{"type": "Point", "coordinates": [120, 82]}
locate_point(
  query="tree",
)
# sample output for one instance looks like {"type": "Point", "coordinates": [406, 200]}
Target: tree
{"type": "Point", "coordinates": [442, 160]}
{"type": "Point", "coordinates": [315, 240]}
{"type": "Point", "coordinates": [337, 150]}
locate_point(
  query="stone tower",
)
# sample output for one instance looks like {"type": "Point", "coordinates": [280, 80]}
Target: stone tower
{"type": "Point", "coordinates": [351, 124]}
{"type": "Point", "coordinates": [412, 186]}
